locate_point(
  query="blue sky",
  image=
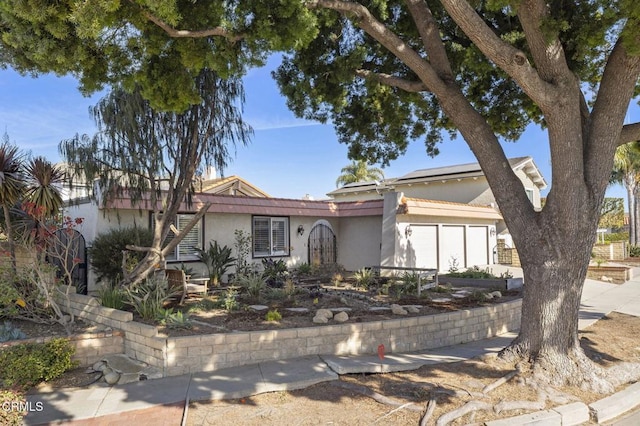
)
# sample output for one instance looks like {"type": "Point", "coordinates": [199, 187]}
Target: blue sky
{"type": "Point", "coordinates": [287, 158]}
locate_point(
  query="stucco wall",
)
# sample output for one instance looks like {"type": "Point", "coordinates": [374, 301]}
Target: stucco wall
{"type": "Point", "coordinates": [359, 242]}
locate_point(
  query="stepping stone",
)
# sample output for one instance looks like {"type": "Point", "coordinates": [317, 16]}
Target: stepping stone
{"type": "Point", "coordinates": [297, 309]}
{"type": "Point", "coordinates": [413, 309]}
{"type": "Point", "coordinates": [259, 308]}
{"type": "Point", "coordinates": [340, 309]}
{"type": "Point", "coordinates": [379, 308]}
{"type": "Point", "coordinates": [441, 300]}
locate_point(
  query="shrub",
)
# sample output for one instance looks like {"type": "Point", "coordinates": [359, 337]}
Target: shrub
{"type": "Point", "coordinates": [304, 269]}
{"type": "Point", "coordinates": [106, 251]}
{"type": "Point", "coordinates": [9, 332]}
{"type": "Point", "coordinates": [217, 260]}
{"type": "Point", "coordinates": [111, 296]}
{"type": "Point", "coordinates": [634, 251]}
{"type": "Point", "coordinates": [26, 365]}
{"type": "Point", "coordinates": [273, 315]}
{"type": "Point", "coordinates": [243, 249]}
{"type": "Point", "coordinates": [231, 299]}
{"type": "Point", "coordinates": [174, 320]}
{"type": "Point", "coordinates": [275, 272]}
{"type": "Point", "coordinates": [148, 297]}
{"type": "Point", "coordinates": [364, 278]}
{"type": "Point", "coordinates": [253, 283]}
{"type": "Point", "coordinates": [10, 415]}
{"type": "Point", "coordinates": [478, 273]}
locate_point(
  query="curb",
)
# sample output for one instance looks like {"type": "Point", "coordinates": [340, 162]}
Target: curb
{"type": "Point", "coordinates": [617, 404]}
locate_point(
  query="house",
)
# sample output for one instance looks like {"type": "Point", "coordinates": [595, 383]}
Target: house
{"type": "Point", "coordinates": [399, 222]}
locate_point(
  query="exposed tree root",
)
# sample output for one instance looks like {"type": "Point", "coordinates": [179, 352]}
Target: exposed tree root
{"type": "Point", "coordinates": [364, 390]}
{"type": "Point", "coordinates": [501, 381]}
{"type": "Point", "coordinates": [467, 408]}
{"type": "Point", "coordinates": [431, 407]}
{"type": "Point", "coordinates": [540, 404]}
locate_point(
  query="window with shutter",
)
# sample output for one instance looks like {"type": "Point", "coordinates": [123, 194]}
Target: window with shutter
{"type": "Point", "coordinates": [186, 249]}
{"type": "Point", "coordinates": [270, 236]}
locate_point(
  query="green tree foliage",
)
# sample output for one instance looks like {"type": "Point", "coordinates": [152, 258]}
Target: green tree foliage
{"type": "Point", "coordinates": [159, 46]}
{"type": "Point", "coordinates": [612, 213]}
{"type": "Point", "coordinates": [626, 170]}
{"type": "Point", "coordinates": [359, 171]}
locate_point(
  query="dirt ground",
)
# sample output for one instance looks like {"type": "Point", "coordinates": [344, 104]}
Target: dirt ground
{"type": "Point", "coordinates": [610, 340]}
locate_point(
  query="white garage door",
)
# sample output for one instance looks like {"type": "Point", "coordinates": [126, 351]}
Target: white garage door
{"type": "Point", "coordinates": [477, 245]}
{"type": "Point", "coordinates": [452, 247]}
{"type": "Point", "coordinates": [424, 240]}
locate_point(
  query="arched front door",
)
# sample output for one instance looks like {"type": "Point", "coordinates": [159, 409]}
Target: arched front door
{"type": "Point", "coordinates": [322, 245]}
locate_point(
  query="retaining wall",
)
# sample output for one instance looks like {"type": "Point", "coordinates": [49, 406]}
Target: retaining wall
{"type": "Point", "coordinates": [90, 347]}
{"type": "Point", "coordinates": [189, 354]}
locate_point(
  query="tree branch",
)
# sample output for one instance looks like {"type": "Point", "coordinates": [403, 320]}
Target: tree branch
{"type": "Point", "coordinates": [513, 61]}
{"type": "Point", "coordinates": [431, 40]}
{"type": "Point", "coordinates": [630, 133]}
{"type": "Point", "coordinates": [548, 56]}
{"type": "Point", "coordinates": [175, 33]}
{"type": "Point", "coordinates": [390, 80]}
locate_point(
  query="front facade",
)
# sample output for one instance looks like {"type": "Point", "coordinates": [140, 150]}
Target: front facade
{"type": "Point", "coordinates": [398, 223]}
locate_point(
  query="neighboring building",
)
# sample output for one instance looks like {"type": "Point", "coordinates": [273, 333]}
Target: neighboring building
{"type": "Point", "coordinates": [399, 222]}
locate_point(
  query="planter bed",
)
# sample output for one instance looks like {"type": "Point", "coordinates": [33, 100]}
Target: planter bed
{"type": "Point", "coordinates": [208, 352]}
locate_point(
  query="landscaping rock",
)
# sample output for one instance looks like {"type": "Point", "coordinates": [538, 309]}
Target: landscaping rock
{"type": "Point", "coordinates": [324, 313]}
{"type": "Point", "coordinates": [496, 294]}
{"type": "Point", "coordinates": [341, 317]}
{"type": "Point", "coordinates": [398, 310]}
{"type": "Point", "coordinates": [300, 310]}
{"type": "Point", "coordinates": [110, 376]}
{"type": "Point", "coordinates": [340, 309]}
{"type": "Point", "coordinates": [320, 320]}
{"type": "Point", "coordinates": [412, 309]}
{"type": "Point", "coordinates": [379, 308]}
{"type": "Point", "coordinates": [258, 308]}
{"type": "Point", "coordinates": [488, 296]}
{"type": "Point", "coordinates": [441, 300]}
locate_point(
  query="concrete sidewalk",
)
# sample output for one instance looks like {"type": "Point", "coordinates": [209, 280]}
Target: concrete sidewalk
{"type": "Point", "coordinates": [103, 401]}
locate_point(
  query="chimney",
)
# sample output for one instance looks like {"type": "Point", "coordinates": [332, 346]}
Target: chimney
{"type": "Point", "coordinates": [209, 173]}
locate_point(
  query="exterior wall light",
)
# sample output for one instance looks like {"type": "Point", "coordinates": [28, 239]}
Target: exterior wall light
{"type": "Point", "coordinates": [300, 230]}
{"type": "Point", "coordinates": [408, 231]}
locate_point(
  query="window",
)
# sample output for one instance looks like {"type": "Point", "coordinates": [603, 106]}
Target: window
{"type": "Point", "coordinates": [186, 249]}
{"type": "Point", "coordinates": [530, 194]}
{"type": "Point", "coordinates": [270, 236]}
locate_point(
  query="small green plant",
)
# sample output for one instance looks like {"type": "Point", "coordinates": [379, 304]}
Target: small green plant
{"type": "Point", "coordinates": [474, 272]}
{"type": "Point", "coordinates": [304, 269]}
{"type": "Point", "coordinates": [148, 297]}
{"type": "Point", "coordinates": [206, 304]}
{"type": "Point", "coordinates": [10, 416]}
{"type": "Point", "coordinates": [275, 272]}
{"type": "Point", "coordinates": [454, 265]}
{"type": "Point", "coordinates": [9, 332]}
{"type": "Point", "coordinates": [289, 288]}
{"type": "Point", "coordinates": [599, 261]}
{"type": "Point", "coordinates": [634, 251]}
{"type": "Point", "coordinates": [231, 299]}
{"type": "Point", "coordinates": [364, 278]}
{"type": "Point", "coordinates": [25, 365]}
{"type": "Point", "coordinates": [442, 288]}
{"type": "Point", "coordinates": [111, 296]}
{"type": "Point", "coordinates": [243, 244]}
{"type": "Point", "coordinates": [273, 315]}
{"type": "Point", "coordinates": [337, 279]}
{"type": "Point", "coordinates": [253, 283]}
{"type": "Point", "coordinates": [218, 260]}
{"type": "Point", "coordinates": [174, 320]}
{"type": "Point", "coordinates": [478, 296]}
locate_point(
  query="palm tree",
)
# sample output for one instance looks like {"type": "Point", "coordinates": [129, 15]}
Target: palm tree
{"type": "Point", "coordinates": [627, 172]}
{"type": "Point", "coordinates": [359, 171]}
{"type": "Point", "coordinates": [11, 188]}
